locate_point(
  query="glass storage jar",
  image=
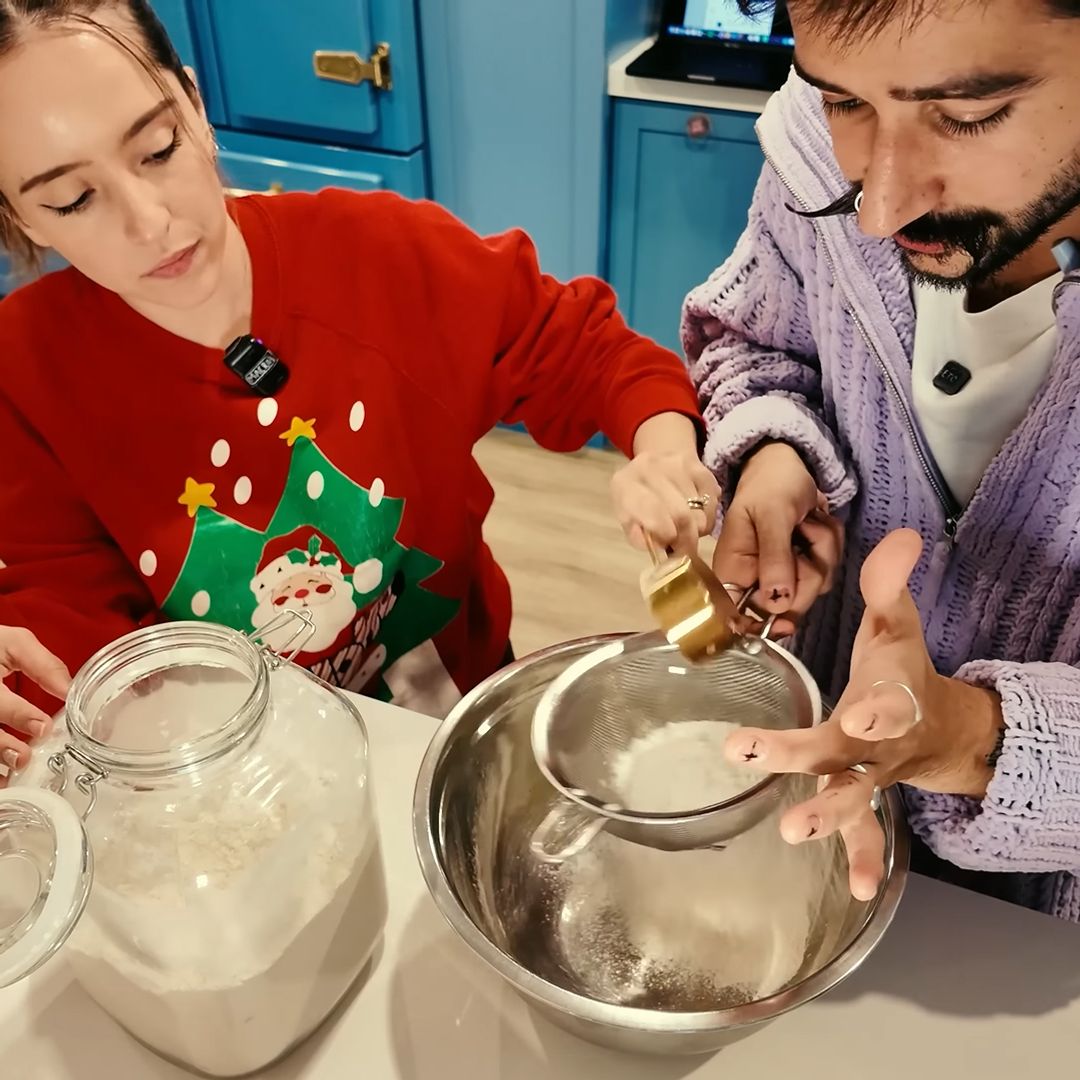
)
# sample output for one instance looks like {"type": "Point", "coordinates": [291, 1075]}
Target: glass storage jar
{"type": "Point", "coordinates": [201, 834]}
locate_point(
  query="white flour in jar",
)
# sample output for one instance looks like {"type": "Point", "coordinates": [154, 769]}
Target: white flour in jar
{"type": "Point", "coordinates": [266, 994]}
{"type": "Point", "coordinates": [229, 917]}
{"type": "Point", "coordinates": [264, 961]}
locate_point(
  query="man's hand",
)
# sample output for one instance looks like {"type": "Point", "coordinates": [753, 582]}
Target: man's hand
{"type": "Point", "coordinates": [897, 720]}
{"type": "Point", "coordinates": [778, 535]}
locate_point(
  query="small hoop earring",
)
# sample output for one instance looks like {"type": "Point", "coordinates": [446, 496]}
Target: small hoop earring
{"type": "Point", "coordinates": [858, 203]}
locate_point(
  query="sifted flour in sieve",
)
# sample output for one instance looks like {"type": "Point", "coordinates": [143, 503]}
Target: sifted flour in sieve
{"type": "Point", "coordinates": [679, 767]}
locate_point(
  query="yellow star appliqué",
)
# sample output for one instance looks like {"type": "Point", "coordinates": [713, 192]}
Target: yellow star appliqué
{"type": "Point", "coordinates": [196, 495]}
{"type": "Point", "coordinates": [299, 429]}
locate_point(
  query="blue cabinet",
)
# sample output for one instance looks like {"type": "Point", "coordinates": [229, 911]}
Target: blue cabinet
{"type": "Point", "coordinates": [308, 96]}
{"type": "Point", "coordinates": [177, 21]}
{"type": "Point", "coordinates": [516, 96]}
{"type": "Point", "coordinates": [338, 71]}
{"type": "Point", "coordinates": [262, 164]}
{"type": "Point", "coordinates": [681, 185]}
{"type": "Point", "coordinates": [195, 52]}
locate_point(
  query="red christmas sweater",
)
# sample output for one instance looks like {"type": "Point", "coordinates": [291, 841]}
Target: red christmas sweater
{"type": "Point", "coordinates": [142, 481]}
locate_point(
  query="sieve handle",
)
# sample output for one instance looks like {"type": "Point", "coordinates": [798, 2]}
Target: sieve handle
{"type": "Point", "coordinates": [653, 550]}
{"type": "Point", "coordinates": [744, 607]}
{"type": "Point", "coordinates": [566, 831]}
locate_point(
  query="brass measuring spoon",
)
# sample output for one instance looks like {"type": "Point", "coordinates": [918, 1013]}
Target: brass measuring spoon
{"type": "Point", "coordinates": [691, 606]}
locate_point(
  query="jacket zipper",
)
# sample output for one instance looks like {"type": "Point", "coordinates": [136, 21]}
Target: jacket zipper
{"type": "Point", "coordinates": [950, 508]}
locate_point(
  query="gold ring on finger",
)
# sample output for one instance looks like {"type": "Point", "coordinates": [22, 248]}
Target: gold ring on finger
{"type": "Point", "coordinates": [698, 502]}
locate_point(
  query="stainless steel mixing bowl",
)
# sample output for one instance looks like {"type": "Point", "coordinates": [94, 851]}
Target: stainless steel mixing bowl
{"type": "Point", "coordinates": [480, 797]}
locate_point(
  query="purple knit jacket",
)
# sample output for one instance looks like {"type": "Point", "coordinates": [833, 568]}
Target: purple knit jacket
{"type": "Point", "coordinates": [805, 334]}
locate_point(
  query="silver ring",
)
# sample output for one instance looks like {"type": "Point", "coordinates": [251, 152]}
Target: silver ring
{"type": "Point", "coordinates": [858, 203]}
{"type": "Point", "coordinates": [698, 502]}
{"type": "Point", "coordinates": [907, 690]}
{"type": "Point", "coordinates": [875, 795]}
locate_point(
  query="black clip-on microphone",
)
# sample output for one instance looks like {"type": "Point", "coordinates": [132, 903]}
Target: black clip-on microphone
{"type": "Point", "coordinates": [257, 365]}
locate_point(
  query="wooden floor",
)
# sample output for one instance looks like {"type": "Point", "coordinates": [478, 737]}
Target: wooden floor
{"type": "Point", "coordinates": [554, 533]}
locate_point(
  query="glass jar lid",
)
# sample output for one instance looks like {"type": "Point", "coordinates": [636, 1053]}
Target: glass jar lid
{"type": "Point", "coordinates": [46, 869]}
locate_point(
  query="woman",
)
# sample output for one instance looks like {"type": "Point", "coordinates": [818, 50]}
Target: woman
{"type": "Point", "coordinates": [143, 477]}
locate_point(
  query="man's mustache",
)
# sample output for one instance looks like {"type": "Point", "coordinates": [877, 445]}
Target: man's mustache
{"type": "Point", "coordinates": [971, 230]}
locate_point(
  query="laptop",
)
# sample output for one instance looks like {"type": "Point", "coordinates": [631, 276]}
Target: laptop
{"type": "Point", "coordinates": [712, 42]}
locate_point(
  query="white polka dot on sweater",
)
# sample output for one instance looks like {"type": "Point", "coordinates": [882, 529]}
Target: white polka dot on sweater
{"type": "Point", "coordinates": [219, 454]}
{"type": "Point", "coordinates": [267, 411]}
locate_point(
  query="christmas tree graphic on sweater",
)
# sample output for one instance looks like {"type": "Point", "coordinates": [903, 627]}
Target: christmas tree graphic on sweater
{"type": "Point", "coordinates": [331, 550]}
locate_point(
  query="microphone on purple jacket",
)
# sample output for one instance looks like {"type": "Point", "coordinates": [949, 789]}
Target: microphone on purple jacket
{"type": "Point", "coordinates": [1067, 253]}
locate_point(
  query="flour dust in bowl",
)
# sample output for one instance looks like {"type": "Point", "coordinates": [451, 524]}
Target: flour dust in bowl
{"type": "Point", "coordinates": [625, 944]}
{"type": "Point", "coordinates": [200, 838]}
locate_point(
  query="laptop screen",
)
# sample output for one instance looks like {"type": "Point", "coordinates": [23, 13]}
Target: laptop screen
{"type": "Point", "coordinates": [721, 20]}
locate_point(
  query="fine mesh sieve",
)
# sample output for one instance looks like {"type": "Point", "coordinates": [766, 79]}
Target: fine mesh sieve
{"type": "Point", "coordinates": [592, 714]}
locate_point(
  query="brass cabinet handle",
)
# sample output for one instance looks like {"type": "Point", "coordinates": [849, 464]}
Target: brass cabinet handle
{"type": "Point", "coordinates": [276, 188]}
{"type": "Point", "coordinates": [351, 68]}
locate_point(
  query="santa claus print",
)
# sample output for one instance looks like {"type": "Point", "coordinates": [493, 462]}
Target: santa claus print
{"type": "Point", "coordinates": [325, 545]}
{"type": "Point", "coordinates": [313, 579]}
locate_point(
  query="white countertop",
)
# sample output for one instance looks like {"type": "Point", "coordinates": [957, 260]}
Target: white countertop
{"type": "Point", "coordinates": [961, 986]}
{"type": "Point", "coordinates": [667, 92]}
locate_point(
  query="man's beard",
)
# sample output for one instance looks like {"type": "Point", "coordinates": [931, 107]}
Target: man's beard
{"type": "Point", "coordinates": [992, 240]}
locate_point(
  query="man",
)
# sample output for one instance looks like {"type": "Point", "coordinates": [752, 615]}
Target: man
{"type": "Point", "coordinates": [890, 364]}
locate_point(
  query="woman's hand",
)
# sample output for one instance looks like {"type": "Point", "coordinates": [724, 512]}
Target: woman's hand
{"type": "Point", "coordinates": [779, 535]}
{"type": "Point", "coordinates": [898, 719]}
{"type": "Point", "coordinates": [665, 492]}
{"type": "Point", "coordinates": [21, 651]}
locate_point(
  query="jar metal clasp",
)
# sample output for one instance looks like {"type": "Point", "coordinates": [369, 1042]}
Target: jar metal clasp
{"type": "Point", "coordinates": [293, 645]}
{"type": "Point", "coordinates": [86, 782]}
